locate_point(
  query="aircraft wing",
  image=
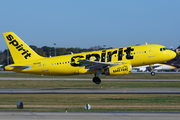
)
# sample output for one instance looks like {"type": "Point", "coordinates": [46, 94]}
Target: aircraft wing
{"type": "Point", "coordinates": [93, 65]}
{"type": "Point", "coordinates": [155, 66]}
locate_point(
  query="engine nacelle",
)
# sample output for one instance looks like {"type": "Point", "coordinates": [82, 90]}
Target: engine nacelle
{"type": "Point", "coordinates": [118, 69]}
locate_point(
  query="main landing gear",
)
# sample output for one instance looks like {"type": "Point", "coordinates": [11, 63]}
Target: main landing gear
{"type": "Point", "coordinates": [96, 79]}
{"type": "Point", "coordinates": [153, 73]}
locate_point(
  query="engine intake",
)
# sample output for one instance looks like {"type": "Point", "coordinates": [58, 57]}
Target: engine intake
{"type": "Point", "coordinates": [118, 69]}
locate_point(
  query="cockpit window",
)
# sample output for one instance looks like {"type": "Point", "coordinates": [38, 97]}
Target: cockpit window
{"type": "Point", "coordinates": [163, 49]}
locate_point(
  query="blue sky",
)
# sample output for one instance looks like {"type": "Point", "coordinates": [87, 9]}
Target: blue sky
{"type": "Point", "coordinates": [88, 23]}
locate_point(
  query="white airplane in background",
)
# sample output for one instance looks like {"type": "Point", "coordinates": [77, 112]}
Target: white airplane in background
{"type": "Point", "coordinates": [1, 67]}
{"type": "Point", "coordinates": [155, 67]}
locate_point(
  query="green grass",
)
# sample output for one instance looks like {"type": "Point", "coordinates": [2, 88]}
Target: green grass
{"type": "Point", "coordinates": [102, 102]}
{"type": "Point", "coordinates": [73, 102]}
{"type": "Point", "coordinates": [145, 100]}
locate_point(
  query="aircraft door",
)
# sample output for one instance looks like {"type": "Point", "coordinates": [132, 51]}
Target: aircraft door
{"type": "Point", "coordinates": [44, 65]}
{"type": "Point", "coordinates": [150, 51]}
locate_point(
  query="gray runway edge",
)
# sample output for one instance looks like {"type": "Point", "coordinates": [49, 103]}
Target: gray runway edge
{"type": "Point", "coordinates": [82, 79]}
{"type": "Point", "coordinates": [86, 116]}
{"type": "Point", "coordinates": [90, 91]}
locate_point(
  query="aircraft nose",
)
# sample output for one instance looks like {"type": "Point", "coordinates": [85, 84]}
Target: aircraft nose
{"type": "Point", "coordinates": [171, 54]}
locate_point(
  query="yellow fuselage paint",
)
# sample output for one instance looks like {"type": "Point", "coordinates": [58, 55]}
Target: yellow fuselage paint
{"type": "Point", "coordinates": [68, 64]}
{"type": "Point", "coordinates": [27, 61]}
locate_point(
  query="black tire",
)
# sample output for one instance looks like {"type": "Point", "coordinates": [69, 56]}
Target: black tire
{"type": "Point", "coordinates": [153, 73]}
{"type": "Point", "coordinates": [96, 80]}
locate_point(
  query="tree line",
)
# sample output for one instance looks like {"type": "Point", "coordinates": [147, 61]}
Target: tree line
{"type": "Point", "coordinates": [46, 51]}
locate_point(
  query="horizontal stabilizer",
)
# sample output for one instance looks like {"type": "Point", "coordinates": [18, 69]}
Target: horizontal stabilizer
{"type": "Point", "coordinates": [23, 67]}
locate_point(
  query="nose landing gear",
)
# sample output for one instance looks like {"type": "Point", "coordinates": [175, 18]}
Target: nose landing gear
{"type": "Point", "coordinates": [151, 69]}
{"type": "Point", "coordinates": [153, 73]}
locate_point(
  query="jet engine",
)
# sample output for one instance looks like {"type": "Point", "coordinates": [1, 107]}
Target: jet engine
{"type": "Point", "coordinates": [118, 69]}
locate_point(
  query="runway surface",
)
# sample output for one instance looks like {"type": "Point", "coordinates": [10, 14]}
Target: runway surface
{"type": "Point", "coordinates": [86, 116]}
{"type": "Point", "coordinates": [81, 79]}
{"type": "Point", "coordinates": [89, 91]}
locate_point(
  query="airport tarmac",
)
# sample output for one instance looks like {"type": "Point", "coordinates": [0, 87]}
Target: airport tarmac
{"type": "Point", "coordinates": [82, 79]}
{"type": "Point", "coordinates": [89, 91]}
{"type": "Point", "coordinates": [25, 115]}
{"type": "Point", "coordinates": [87, 116]}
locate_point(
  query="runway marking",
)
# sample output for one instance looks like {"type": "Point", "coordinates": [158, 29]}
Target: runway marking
{"type": "Point", "coordinates": [89, 91]}
{"type": "Point", "coordinates": [81, 79]}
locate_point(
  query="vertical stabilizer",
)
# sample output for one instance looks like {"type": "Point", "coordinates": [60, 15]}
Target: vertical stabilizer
{"type": "Point", "coordinates": [19, 50]}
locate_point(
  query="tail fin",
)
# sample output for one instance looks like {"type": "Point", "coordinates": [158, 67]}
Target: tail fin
{"type": "Point", "coordinates": [20, 51]}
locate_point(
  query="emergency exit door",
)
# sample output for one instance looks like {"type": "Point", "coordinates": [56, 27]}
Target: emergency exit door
{"type": "Point", "coordinates": [44, 65]}
{"type": "Point", "coordinates": [150, 51]}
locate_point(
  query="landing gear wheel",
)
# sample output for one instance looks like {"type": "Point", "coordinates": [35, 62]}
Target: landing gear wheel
{"type": "Point", "coordinates": [153, 73]}
{"type": "Point", "coordinates": [96, 80]}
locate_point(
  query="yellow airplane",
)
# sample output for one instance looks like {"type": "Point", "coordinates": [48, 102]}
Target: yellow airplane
{"type": "Point", "coordinates": [118, 61]}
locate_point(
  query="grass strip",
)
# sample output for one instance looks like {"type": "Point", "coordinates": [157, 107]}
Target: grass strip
{"type": "Point", "coordinates": [105, 103]}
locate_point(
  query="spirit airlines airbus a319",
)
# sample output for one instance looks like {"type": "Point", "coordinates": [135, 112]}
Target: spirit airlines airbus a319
{"type": "Point", "coordinates": [118, 61]}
